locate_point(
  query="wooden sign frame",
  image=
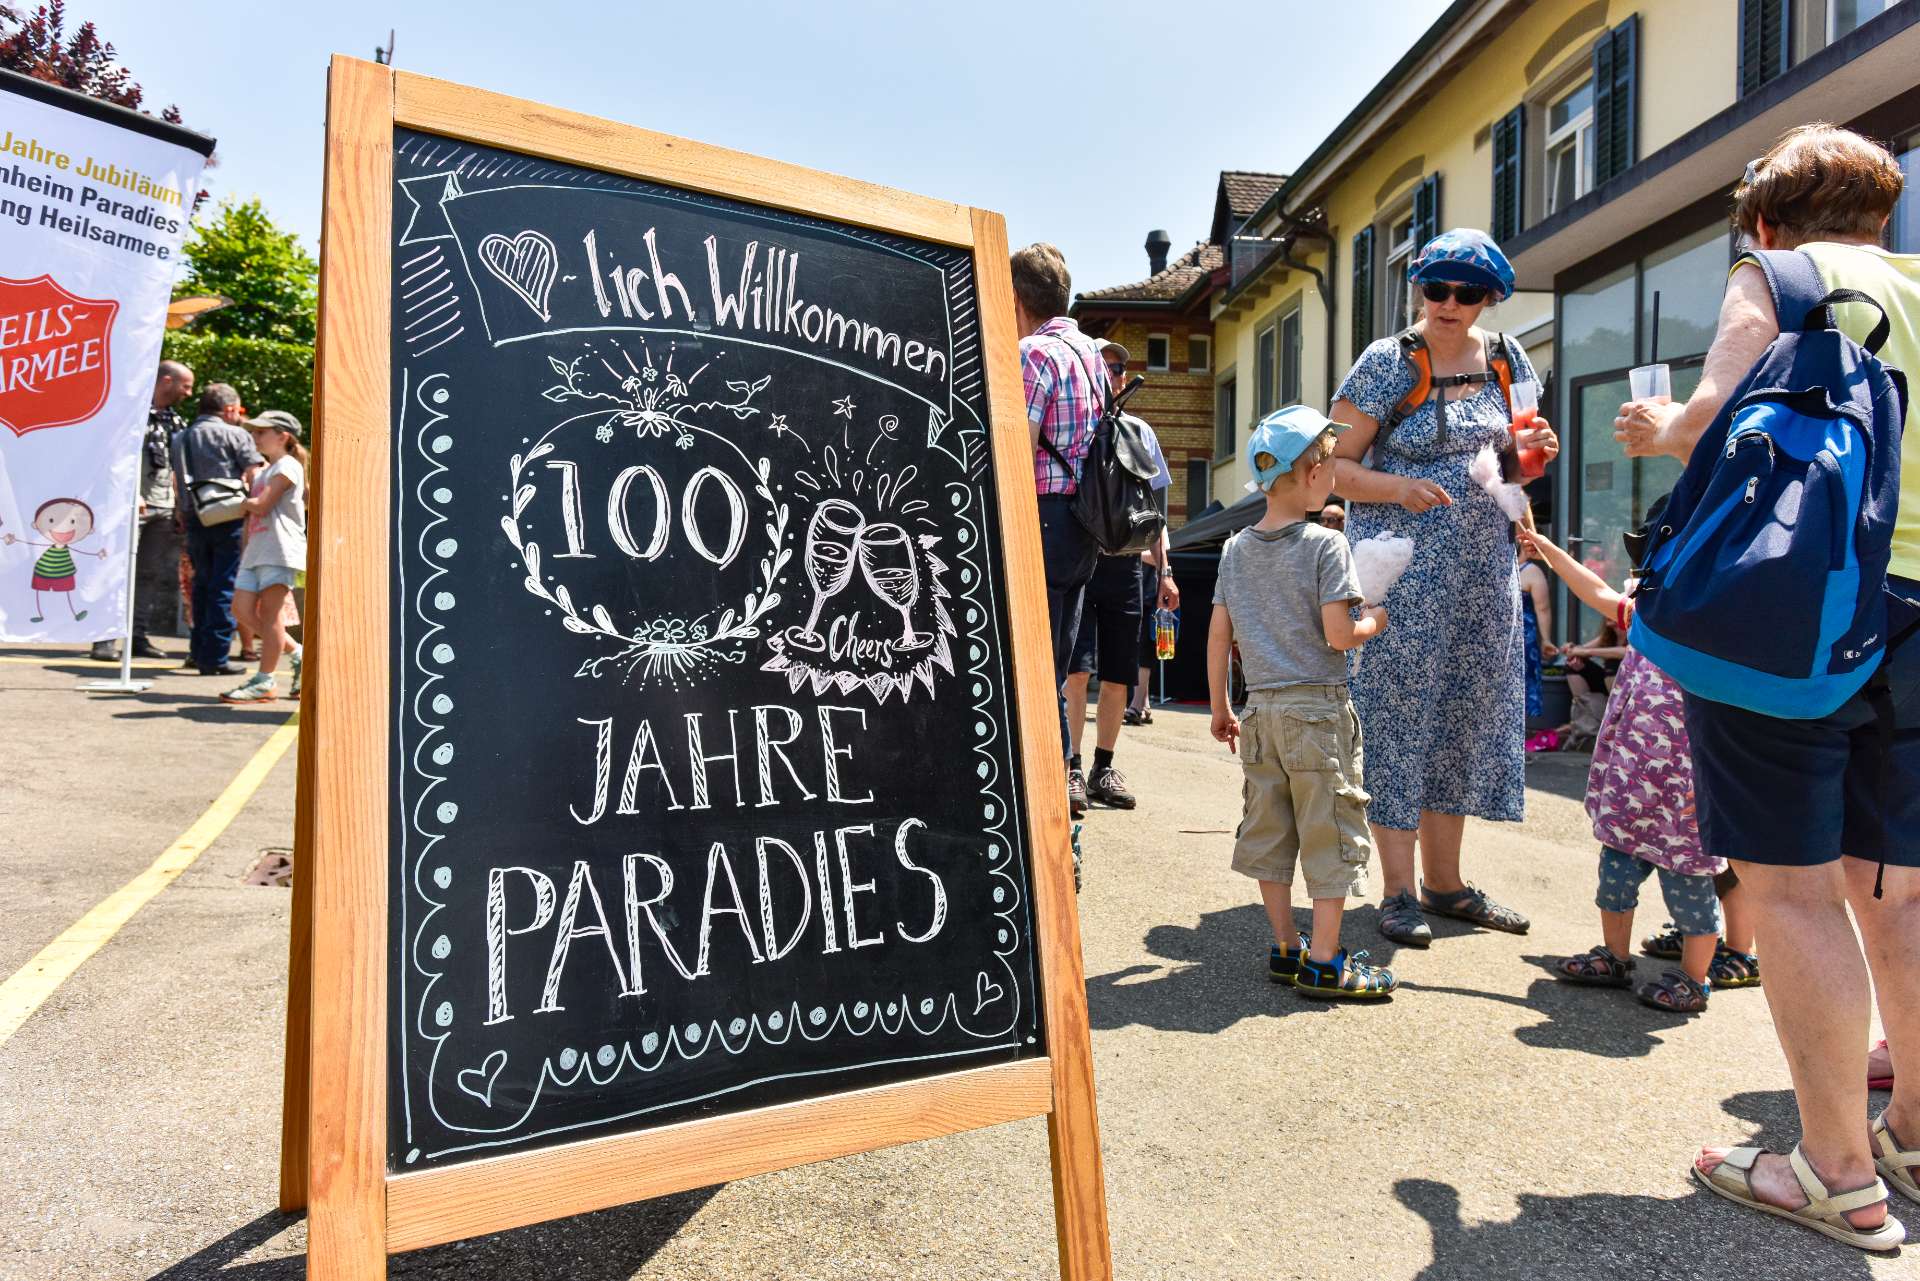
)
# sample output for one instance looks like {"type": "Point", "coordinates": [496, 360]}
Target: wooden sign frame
{"type": "Point", "coordinates": [334, 1142]}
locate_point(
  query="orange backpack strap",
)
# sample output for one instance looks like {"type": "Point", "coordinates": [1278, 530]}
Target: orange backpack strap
{"type": "Point", "coordinates": [1413, 350]}
{"type": "Point", "coordinates": [1502, 363]}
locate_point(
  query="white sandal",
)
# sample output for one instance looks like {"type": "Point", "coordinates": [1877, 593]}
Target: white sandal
{"type": "Point", "coordinates": [1895, 1163]}
{"type": "Point", "coordinates": [1824, 1211]}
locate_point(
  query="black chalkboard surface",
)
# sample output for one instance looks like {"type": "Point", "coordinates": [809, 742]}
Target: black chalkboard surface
{"type": "Point", "coordinates": [705, 790]}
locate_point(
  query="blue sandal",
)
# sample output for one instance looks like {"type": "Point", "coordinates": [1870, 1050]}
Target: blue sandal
{"type": "Point", "coordinates": [1344, 978]}
{"type": "Point", "coordinates": [1282, 965]}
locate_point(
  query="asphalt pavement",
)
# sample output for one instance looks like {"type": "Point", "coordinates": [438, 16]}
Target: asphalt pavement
{"type": "Point", "coordinates": [1487, 1123]}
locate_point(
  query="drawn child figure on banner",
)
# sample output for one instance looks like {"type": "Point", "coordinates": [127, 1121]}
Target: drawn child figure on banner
{"type": "Point", "coordinates": [64, 522]}
{"type": "Point", "coordinates": [103, 197]}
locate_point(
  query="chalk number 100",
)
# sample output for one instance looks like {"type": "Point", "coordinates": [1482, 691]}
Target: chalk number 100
{"type": "Point", "coordinates": [621, 531]}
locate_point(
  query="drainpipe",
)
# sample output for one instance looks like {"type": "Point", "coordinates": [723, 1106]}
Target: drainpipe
{"type": "Point", "coordinates": [1326, 295]}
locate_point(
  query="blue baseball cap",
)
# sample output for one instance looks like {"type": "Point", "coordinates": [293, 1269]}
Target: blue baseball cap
{"type": "Point", "coordinates": [1284, 433]}
{"type": "Point", "coordinates": [1464, 256]}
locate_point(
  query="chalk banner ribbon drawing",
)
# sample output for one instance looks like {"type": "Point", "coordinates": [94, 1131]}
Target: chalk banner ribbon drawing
{"type": "Point", "coordinates": [678, 782]}
{"type": "Point", "coordinates": [705, 796]}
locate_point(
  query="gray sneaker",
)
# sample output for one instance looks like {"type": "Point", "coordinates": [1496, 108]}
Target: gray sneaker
{"type": "Point", "coordinates": [1401, 920]}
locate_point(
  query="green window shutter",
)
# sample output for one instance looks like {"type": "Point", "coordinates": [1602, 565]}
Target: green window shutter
{"type": "Point", "coordinates": [1426, 211]}
{"type": "Point", "coordinates": [1766, 47]}
{"type": "Point", "coordinates": [1616, 101]}
{"type": "Point", "coordinates": [1362, 291]}
{"type": "Point", "coordinates": [1509, 184]}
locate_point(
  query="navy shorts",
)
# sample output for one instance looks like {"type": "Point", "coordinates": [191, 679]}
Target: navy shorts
{"type": "Point", "coordinates": [1149, 603]}
{"type": "Point", "coordinates": [1109, 641]}
{"type": "Point", "coordinates": [1802, 793]}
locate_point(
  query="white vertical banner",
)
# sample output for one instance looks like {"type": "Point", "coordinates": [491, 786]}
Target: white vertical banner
{"type": "Point", "coordinates": [94, 203]}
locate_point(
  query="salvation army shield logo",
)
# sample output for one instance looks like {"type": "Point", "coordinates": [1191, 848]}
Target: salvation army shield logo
{"type": "Point", "coordinates": [55, 354]}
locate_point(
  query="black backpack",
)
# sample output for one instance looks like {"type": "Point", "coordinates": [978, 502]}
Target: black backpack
{"type": "Point", "coordinates": [1114, 499]}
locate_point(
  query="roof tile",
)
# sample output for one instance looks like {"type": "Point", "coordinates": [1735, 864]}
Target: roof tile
{"type": "Point", "coordinates": [1180, 275]}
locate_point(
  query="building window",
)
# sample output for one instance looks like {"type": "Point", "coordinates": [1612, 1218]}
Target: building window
{"type": "Point", "coordinates": [1225, 411]}
{"type": "Point", "coordinates": [1199, 473]}
{"type": "Point", "coordinates": [1903, 229]}
{"type": "Point", "coordinates": [1616, 101]}
{"type": "Point", "coordinates": [1199, 354]}
{"type": "Point", "coordinates": [1766, 42]}
{"type": "Point", "coordinates": [1844, 16]}
{"type": "Point", "coordinates": [1569, 147]}
{"type": "Point", "coordinates": [1510, 173]}
{"type": "Point", "coordinates": [1290, 353]}
{"type": "Point", "coordinates": [1157, 348]}
{"type": "Point", "coordinates": [1360, 304]}
{"type": "Point", "coordinates": [1400, 251]}
{"type": "Point", "coordinates": [1264, 349]}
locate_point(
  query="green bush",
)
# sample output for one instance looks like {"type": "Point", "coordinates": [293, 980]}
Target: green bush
{"type": "Point", "coordinates": [268, 375]}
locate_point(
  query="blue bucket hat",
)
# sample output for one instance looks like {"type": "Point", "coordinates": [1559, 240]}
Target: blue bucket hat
{"type": "Point", "coordinates": [1464, 256]}
{"type": "Point", "coordinates": [1284, 433]}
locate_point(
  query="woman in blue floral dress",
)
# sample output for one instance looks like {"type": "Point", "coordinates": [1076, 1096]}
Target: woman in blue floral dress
{"type": "Point", "coordinates": [1442, 694]}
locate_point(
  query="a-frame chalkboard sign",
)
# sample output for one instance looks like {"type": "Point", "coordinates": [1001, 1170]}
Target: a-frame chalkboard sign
{"type": "Point", "coordinates": [680, 787]}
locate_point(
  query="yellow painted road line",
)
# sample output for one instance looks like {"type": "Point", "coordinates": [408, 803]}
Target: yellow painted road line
{"type": "Point", "coordinates": [81, 660]}
{"type": "Point", "coordinates": [39, 978]}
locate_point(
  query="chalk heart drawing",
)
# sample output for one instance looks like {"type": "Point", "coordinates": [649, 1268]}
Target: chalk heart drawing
{"type": "Point", "coordinates": [478, 1081]}
{"type": "Point", "coordinates": [526, 263]}
{"type": "Point", "coordinates": [985, 993]}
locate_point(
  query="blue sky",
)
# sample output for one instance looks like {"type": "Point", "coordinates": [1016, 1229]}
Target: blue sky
{"type": "Point", "coordinates": [1084, 124]}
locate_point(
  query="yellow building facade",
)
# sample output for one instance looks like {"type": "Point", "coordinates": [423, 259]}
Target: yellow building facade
{"type": "Point", "coordinates": [1599, 142]}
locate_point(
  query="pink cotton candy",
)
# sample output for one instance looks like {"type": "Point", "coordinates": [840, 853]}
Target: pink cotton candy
{"type": "Point", "coordinates": [1486, 473]}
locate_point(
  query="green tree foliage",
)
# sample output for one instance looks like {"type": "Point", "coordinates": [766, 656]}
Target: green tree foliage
{"type": "Point", "coordinates": [37, 44]}
{"type": "Point", "coordinates": [268, 375]}
{"type": "Point", "coordinates": [272, 280]}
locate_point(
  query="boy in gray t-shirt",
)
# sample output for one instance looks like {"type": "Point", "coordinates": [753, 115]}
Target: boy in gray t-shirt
{"type": "Point", "coordinates": [1285, 593]}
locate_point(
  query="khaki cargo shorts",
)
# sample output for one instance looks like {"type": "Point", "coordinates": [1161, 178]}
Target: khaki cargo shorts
{"type": "Point", "coordinates": [1303, 803]}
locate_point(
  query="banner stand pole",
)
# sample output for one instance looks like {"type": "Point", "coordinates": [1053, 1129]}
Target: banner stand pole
{"type": "Point", "coordinates": [124, 683]}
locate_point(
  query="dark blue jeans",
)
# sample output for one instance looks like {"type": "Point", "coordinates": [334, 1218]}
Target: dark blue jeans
{"type": "Point", "coordinates": [215, 554]}
{"type": "Point", "coordinates": [1070, 555]}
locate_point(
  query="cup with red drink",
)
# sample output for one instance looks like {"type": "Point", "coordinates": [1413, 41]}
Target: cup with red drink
{"type": "Point", "coordinates": [1524, 397]}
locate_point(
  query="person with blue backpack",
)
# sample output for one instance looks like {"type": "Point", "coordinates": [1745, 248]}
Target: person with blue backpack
{"type": "Point", "coordinates": [1781, 594]}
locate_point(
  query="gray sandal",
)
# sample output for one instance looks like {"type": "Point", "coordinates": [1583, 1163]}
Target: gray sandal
{"type": "Point", "coordinates": [1472, 904]}
{"type": "Point", "coordinates": [1596, 967]}
{"type": "Point", "coordinates": [1675, 992]}
{"type": "Point", "coordinates": [1401, 921]}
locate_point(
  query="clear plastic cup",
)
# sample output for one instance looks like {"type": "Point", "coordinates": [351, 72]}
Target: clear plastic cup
{"type": "Point", "coordinates": [1651, 382]}
{"type": "Point", "coordinates": [1524, 398]}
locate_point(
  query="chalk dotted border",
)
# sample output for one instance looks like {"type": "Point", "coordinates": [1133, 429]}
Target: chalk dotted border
{"type": "Point", "coordinates": [889, 1013]}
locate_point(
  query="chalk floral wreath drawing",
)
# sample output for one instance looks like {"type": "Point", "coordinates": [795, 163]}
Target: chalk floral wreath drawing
{"type": "Point", "coordinates": [652, 402]}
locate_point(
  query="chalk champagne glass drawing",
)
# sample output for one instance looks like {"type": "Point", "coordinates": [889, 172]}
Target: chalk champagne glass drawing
{"type": "Point", "coordinates": [831, 534]}
{"type": "Point", "coordinates": [886, 559]}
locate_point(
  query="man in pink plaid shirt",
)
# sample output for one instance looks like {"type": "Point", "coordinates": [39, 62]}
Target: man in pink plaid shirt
{"type": "Point", "coordinates": [1066, 390]}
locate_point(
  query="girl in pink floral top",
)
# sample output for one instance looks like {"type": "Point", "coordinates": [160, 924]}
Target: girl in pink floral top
{"type": "Point", "coordinates": [1640, 798]}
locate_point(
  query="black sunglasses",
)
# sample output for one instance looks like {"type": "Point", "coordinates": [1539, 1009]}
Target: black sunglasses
{"type": "Point", "coordinates": [1440, 291]}
{"type": "Point", "coordinates": [1115, 368]}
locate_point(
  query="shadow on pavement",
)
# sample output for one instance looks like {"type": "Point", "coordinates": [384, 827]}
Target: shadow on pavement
{"type": "Point", "coordinates": [1561, 773]}
{"type": "Point", "coordinates": [206, 708]}
{"type": "Point", "coordinates": [608, 1245]}
{"type": "Point", "coordinates": [1774, 1111]}
{"type": "Point", "coordinates": [1611, 1235]}
{"type": "Point", "coordinates": [1217, 975]}
{"type": "Point", "coordinates": [1608, 1022]}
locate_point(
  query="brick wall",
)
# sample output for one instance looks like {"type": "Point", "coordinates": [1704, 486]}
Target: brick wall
{"type": "Point", "coordinates": [1177, 402]}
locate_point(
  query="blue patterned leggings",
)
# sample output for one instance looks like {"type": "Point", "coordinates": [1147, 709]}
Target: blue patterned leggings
{"type": "Point", "coordinates": [1691, 901]}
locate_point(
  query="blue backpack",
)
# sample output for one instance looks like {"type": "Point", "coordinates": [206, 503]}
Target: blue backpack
{"type": "Point", "coordinates": [1766, 575]}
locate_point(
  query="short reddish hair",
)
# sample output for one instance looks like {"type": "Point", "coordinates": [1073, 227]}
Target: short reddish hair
{"type": "Point", "coordinates": [1819, 181]}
